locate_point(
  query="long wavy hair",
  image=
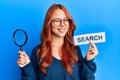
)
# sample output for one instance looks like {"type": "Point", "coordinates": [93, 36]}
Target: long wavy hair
{"type": "Point", "coordinates": [68, 50]}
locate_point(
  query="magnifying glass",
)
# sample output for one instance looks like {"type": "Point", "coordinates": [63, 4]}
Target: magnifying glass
{"type": "Point", "coordinates": [20, 38]}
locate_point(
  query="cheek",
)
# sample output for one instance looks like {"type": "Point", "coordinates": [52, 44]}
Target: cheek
{"type": "Point", "coordinates": [67, 28]}
{"type": "Point", "coordinates": [53, 28]}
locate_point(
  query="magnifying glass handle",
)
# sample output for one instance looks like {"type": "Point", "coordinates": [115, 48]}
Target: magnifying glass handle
{"type": "Point", "coordinates": [21, 48]}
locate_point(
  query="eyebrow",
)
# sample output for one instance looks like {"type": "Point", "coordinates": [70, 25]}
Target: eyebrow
{"type": "Point", "coordinates": [60, 18]}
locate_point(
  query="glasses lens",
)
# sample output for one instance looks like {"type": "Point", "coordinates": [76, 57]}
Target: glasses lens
{"type": "Point", "coordinates": [66, 21]}
{"type": "Point", "coordinates": [58, 21]}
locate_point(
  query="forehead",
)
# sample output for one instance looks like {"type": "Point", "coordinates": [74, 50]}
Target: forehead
{"type": "Point", "coordinates": [58, 13]}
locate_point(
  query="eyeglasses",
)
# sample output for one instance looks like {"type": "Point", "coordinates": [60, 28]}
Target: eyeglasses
{"type": "Point", "coordinates": [58, 21]}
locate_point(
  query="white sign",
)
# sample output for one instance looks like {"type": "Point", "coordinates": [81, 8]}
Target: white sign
{"type": "Point", "coordinates": [86, 38]}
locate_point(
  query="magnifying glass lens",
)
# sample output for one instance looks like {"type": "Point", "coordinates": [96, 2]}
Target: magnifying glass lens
{"type": "Point", "coordinates": [20, 38]}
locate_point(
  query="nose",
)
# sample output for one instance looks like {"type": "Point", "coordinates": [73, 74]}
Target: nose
{"type": "Point", "coordinates": [62, 23]}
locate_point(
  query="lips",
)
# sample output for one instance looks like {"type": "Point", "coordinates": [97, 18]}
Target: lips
{"type": "Point", "coordinates": [61, 30]}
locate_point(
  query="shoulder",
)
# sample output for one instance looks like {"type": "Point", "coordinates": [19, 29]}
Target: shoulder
{"type": "Point", "coordinates": [36, 48]}
{"type": "Point", "coordinates": [34, 51]}
{"type": "Point", "coordinates": [79, 53]}
{"type": "Point", "coordinates": [34, 57]}
{"type": "Point", "coordinates": [78, 49]}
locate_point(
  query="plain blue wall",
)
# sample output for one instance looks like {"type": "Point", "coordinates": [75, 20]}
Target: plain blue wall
{"type": "Point", "coordinates": [89, 16]}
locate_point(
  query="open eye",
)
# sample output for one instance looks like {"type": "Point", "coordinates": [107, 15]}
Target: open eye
{"type": "Point", "coordinates": [66, 21]}
{"type": "Point", "coordinates": [56, 21]}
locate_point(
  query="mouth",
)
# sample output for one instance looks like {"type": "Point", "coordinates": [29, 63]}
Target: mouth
{"type": "Point", "coordinates": [62, 30]}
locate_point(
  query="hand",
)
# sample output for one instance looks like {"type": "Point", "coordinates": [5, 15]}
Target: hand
{"type": "Point", "coordinates": [23, 59]}
{"type": "Point", "coordinates": [92, 51]}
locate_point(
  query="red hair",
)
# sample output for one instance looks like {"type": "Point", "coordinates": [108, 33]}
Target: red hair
{"type": "Point", "coordinates": [68, 50]}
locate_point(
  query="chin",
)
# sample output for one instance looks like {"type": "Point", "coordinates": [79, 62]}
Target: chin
{"type": "Point", "coordinates": [62, 35]}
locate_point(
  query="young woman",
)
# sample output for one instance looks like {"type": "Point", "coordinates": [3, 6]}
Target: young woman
{"type": "Point", "coordinates": [57, 58]}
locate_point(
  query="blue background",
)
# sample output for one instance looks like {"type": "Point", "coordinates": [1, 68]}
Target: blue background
{"type": "Point", "coordinates": [89, 15]}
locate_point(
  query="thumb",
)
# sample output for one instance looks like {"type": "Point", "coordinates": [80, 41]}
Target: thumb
{"type": "Point", "coordinates": [26, 57]}
{"type": "Point", "coordinates": [25, 54]}
{"type": "Point", "coordinates": [91, 44]}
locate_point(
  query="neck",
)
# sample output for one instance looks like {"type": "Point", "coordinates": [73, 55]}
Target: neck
{"type": "Point", "coordinates": [57, 41]}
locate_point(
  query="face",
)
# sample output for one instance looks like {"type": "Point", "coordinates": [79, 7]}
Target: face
{"type": "Point", "coordinates": [59, 24]}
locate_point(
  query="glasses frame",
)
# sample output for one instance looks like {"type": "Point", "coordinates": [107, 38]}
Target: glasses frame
{"type": "Point", "coordinates": [58, 21]}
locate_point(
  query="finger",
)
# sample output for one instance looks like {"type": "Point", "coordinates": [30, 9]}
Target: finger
{"type": "Point", "coordinates": [90, 49]}
{"type": "Point", "coordinates": [21, 60]}
{"type": "Point", "coordinates": [93, 53]}
{"type": "Point", "coordinates": [90, 52]}
{"type": "Point", "coordinates": [23, 53]}
{"type": "Point", "coordinates": [92, 44]}
{"type": "Point", "coordinates": [21, 56]}
{"type": "Point", "coordinates": [21, 64]}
